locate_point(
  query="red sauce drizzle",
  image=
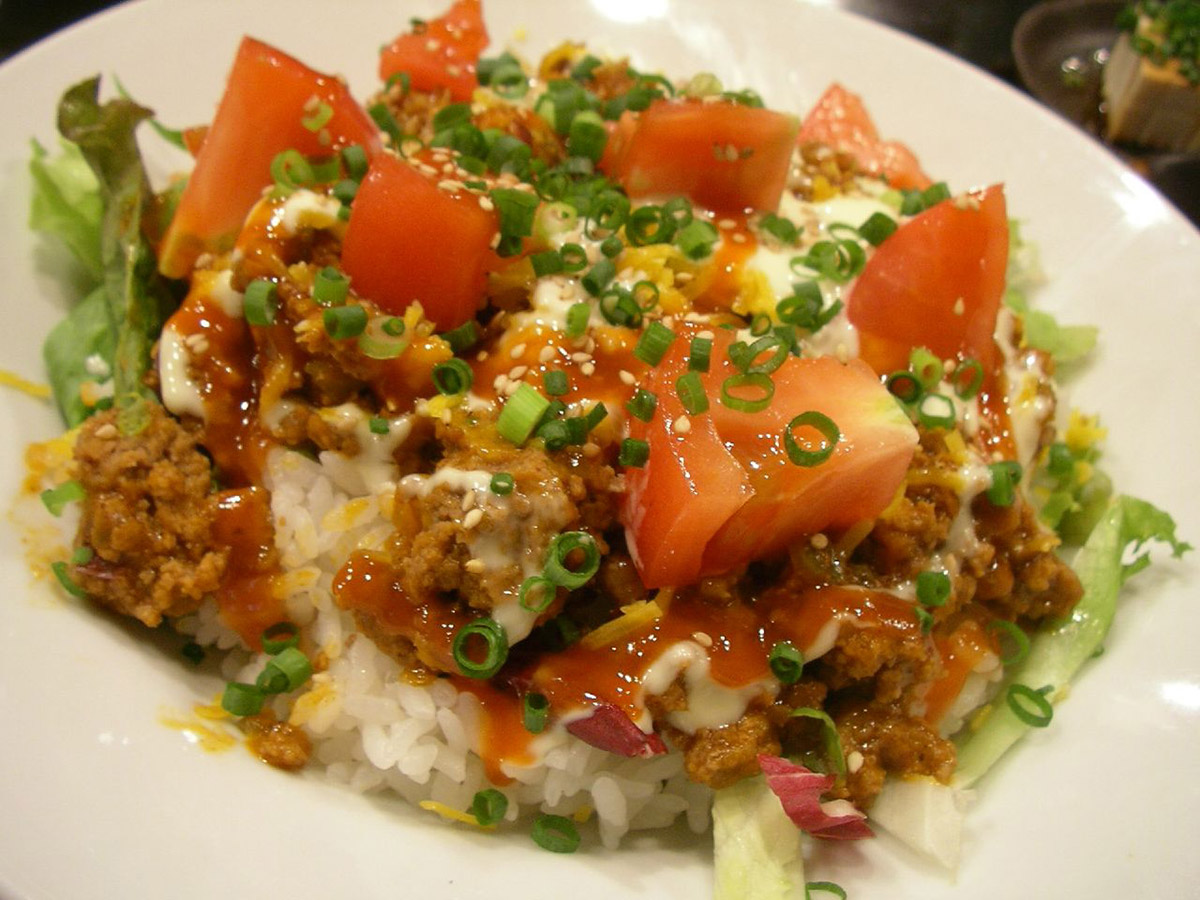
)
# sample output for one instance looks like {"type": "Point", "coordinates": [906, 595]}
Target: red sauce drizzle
{"type": "Point", "coordinates": [246, 597]}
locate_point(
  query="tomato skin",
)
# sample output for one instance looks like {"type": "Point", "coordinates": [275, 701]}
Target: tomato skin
{"type": "Point", "coordinates": [937, 282]}
{"type": "Point", "coordinates": [725, 493]}
{"type": "Point", "coordinates": [840, 120]}
{"type": "Point", "coordinates": [723, 156]}
{"type": "Point", "coordinates": [259, 116]}
{"type": "Point", "coordinates": [441, 54]}
{"type": "Point", "coordinates": [408, 240]}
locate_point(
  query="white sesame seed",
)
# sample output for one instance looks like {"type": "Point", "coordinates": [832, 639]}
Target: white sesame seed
{"type": "Point", "coordinates": [591, 450]}
{"type": "Point", "coordinates": [842, 352]}
{"type": "Point", "coordinates": [439, 157]}
{"type": "Point", "coordinates": [627, 377]}
{"type": "Point", "coordinates": [511, 388]}
{"type": "Point", "coordinates": [588, 368]}
{"type": "Point", "coordinates": [500, 382]}
{"type": "Point", "coordinates": [590, 344]}
{"type": "Point", "coordinates": [819, 541]}
{"type": "Point", "coordinates": [432, 45]}
{"type": "Point", "coordinates": [481, 355]}
{"type": "Point", "coordinates": [706, 335]}
{"type": "Point", "coordinates": [854, 761]}
{"type": "Point", "coordinates": [682, 425]}
{"type": "Point", "coordinates": [518, 351]}
{"type": "Point", "coordinates": [547, 354]}
{"type": "Point", "coordinates": [683, 277]}
{"type": "Point", "coordinates": [702, 638]}
{"type": "Point", "coordinates": [738, 238]}
{"type": "Point", "coordinates": [453, 70]}
{"type": "Point", "coordinates": [475, 566]}
{"type": "Point", "coordinates": [473, 518]}
{"type": "Point", "coordinates": [726, 224]}
{"type": "Point", "coordinates": [107, 431]}
{"type": "Point", "coordinates": [516, 373]}
{"type": "Point", "coordinates": [486, 204]}
{"type": "Point", "coordinates": [445, 417]}
{"type": "Point", "coordinates": [449, 184]}
{"type": "Point", "coordinates": [468, 500]}
{"type": "Point", "coordinates": [581, 357]}
{"type": "Point", "coordinates": [959, 306]}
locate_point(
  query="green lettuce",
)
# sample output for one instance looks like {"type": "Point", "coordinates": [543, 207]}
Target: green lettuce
{"type": "Point", "coordinates": [1058, 652]}
{"type": "Point", "coordinates": [93, 196]}
{"type": "Point", "coordinates": [757, 850]}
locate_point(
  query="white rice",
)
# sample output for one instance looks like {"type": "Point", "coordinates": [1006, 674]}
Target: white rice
{"type": "Point", "coordinates": [373, 731]}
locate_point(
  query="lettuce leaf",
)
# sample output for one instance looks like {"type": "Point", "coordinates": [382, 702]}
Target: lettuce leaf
{"type": "Point", "coordinates": [1057, 653]}
{"type": "Point", "coordinates": [757, 848]}
{"type": "Point", "coordinates": [1066, 343]}
{"type": "Point", "coordinates": [69, 348]}
{"type": "Point", "coordinates": [66, 203]}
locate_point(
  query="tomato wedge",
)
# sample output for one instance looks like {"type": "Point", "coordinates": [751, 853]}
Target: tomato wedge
{"type": "Point", "coordinates": [726, 492]}
{"type": "Point", "coordinates": [937, 282]}
{"type": "Point", "coordinates": [409, 240]}
{"type": "Point", "coordinates": [723, 156]}
{"type": "Point", "coordinates": [440, 53]}
{"type": "Point", "coordinates": [260, 115]}
{"type": "Point", "coordinates": [841, 121]}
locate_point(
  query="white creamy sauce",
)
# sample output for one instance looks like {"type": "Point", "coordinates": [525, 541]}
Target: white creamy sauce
{"type": "Point", "coordinates": [374, 464]}
{"type": "Point", "coordinates": [307, 209]}
{"type": "Point", "coordinates": [458, 480]}
{"type": "Point", "coordinates": [710, 705]}
{"type": "Point", "coordinates": [220, 289]}
{"type": "Point", "coordinates": [181, 395]}
{"type": "Point", "coordinates": [824, 641]}
{"type": "Point", "coordinates": [97, 366]}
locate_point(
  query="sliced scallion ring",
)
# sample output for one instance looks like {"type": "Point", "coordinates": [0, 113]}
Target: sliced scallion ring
{"type": "Point", "coordinates": [495, 647]}
{"type": "Point", "coordinates": [557, 834]}
{"type": "Point", "coordinates": [786, 662]}
{"type": "Point", "coordinates": [1019, 639]}
{"type": "Point", "coordinates": [1029, 705]}
{"type": "Point", "coordinates": [562, 566]}
{"type": "Point", "coordinates": [756, 382]}
{"type": "Point", "coordinates": [535, 709]}
{"type": "Point", "coordinates": [821, 423]}
{"type": "Point", "coordinates": [489, 806]}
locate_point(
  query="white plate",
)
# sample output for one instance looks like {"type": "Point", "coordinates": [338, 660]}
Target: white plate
{"type": "Point", "coordinates": [99, 799]}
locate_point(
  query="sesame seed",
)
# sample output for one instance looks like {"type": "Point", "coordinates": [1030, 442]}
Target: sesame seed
{"type": "Point", "coordinates": [511, 388]}
{"type": "Point", "coordinates": [481, 355]}
{"type": "Point", "coordinates": [426, 169]}
{"type": "Point", "coordinates": [819, 541]}
{"type": "Point", "coordinates": [547, 354]}
{"type": "Point", "coordinates": [518, 351]}
{"type": "Point", "coordinates": [706, 335]}
{"type": "Point", "coordinates": [590, 344]}
{"type": "Point", "coordinates": [581, 357]}
{"type": "Point", "coordinates": [726, 224]}
{"type": "Point", "coordinates": [449, 184]}
{"type": "Point", "coordinates": [468, 500]}
{"type": "Point", "coordinates": [738, 238]}
{"type": "Point", "coordinates": [500, 382]}
{"type": "Point", "coordinates": [475, 566]}
{"type": "Point", "coordinates": [432, 45]}
{"type": "Point", "coordinates": [702, 638]}
{"type": "Point", "coordinates": [588, 368]}
{"type": "Point", "coordinates": [959, 306]}
{"type": "Point", "coordinates": [445, 417]}
{"type": "Point", "coordinates": [473, 518]}
{"type": "Point", "coordinates": [107, 431]}
{"type": "Point", "coordinates": [590, 450]}
{"type": "Point", "coordinates": [453, 70]}
{"type": "Point", "coordinates": [486, 204]}
{"type": "Point", "coordinates": [439, 157]}
{"type": "Point", "coordinates": [854, 761]}
{"type": "Point", "coordinates": [842, 352]}
{"type": "Point", "coordinates": [682, 425]}
{"type": "Point", "coordinates": [627, 377]}
{"type": "Point", "coordinates": [517, 372]}
{"type": "Point", "coordinates": [683, 277]}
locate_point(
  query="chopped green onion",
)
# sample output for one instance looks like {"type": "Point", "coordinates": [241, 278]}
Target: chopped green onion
{"type": "Point", "coordinates": [495, 644]}
{"type": "Point", "coordinates": [318, 118]}
{"type": "Point", "coordinates": [453, 376]}
{"type": "Point", "coordinates": [877, 229]}
{"type": "Point", "coordinates": [933, 588]}
{"type": "Point", "coordinates": [345, 191]}
{"type": "Point", "coordinates": [927, 367]}
{"type": "Point", "coordinates": [536, 593]}
{"type": "Point", "coordinates": [839, 261]}
{"type": "Point", "coordinates": [596, 415]}
{"type": "Point", "coordinates": [608, 210]}
{"type": "Point", "coordinates": [378, 425]}
{"type": "Point", "coordinates": [618, 307]}
{"type": "Point", "coordinates": [642, 404]}
{"type": "Point", "coordinates": [1006, 476]}
{"type": "Point", "coordinates": [382, 116]}
{"type": "Point", "coordinates": [828, 431]}
{"type": "Point", "coordinates": [556, 382]}
{"type": "Point", "coordinates": [697, 238]}
{"type": "Point", "coordinates": [936, 411]}
{"type": "Point", "coordinates": [489, 806]}
{"type": "Point", "coordinates": [574, 257]}
{"type": "Point", "coordinates": [383, 338]}
{"type": "Point", "coordinates": [587, 136]}
{"type": "Point", "coordinates": [260, 302]}
{"type": "Point", "coordinates": [611, 246]}
{"type": "Point", "coordinates": [645, 295]}
{"type": "Point", "coordinates": [55, 499]}
{"type": "Point", "coordinates": [783, 230]}
{"type": "Point", "coordinates": [935, 194]}
{"type": "Point", "coordinates": [633, 453]}
{"type": "Point", "coordinates": [354, 158]}
{"type": "Point", "coordinates": [343, 322]}
{"type": "Point", "coordinates": [241, 699]}
{"type": "Point", "coordinates": [967, 378]}
{"type": "Point", "coordinates": [690, 390]}
{"type": "Point", "coordinates": [905, 386]}
{"type": "Point", "coordinates": [1029, 705]}
{"type": "Point", "coordinates": [557, 834]}
{"type": "Point", "coordinates": [287, 670]}
{"type": "Point", "coordinates": [577, 319]}
{"type": "Point", "coordinates": [744, 357]}
{"type": "Point", "coordinates": [599, 276]}
{"type": "Point", "coordinates": [521, 414]}
{"type": "Point", "coordinates": [654, 343]}
{"type": "Point", "coordinates": [1019, 639]}
{"type": "Point", "coordinates": [452, 115]}
{"type": "Point", "coordinates": [61, 572]}
{"type": "Point", "coordinates": [290, 171]}
{"type": "Point", "coordinates": [279, 637]}
{"type": "Point", "coordinates": [502, 484]}
{"type": "Point", "coordinates": [786, 662]}
{"type": "Point", "coordinates": [555, 434]}
{"type": "Point", "coordinates": [546, 262]}
{"type": "Point", "coordinates": [699, 354]}
{"type": "Point", "coordinates": [582, 70]}
{"type": "Point", "coordinates": [828, 887]}
{"type": "Point", "coordinates": [516, 210]}
{"type": "Point", "coordinates": [82, 555]}
{"type": "Point", "coordinates": [463, 337]}
{"type": "Point", "coordinates": [649, 225]}
{"type": "Point", "coordinates": [535, 709]}
{"type": "Point", "coordinates": [558, 568]}
{"type": "Point", "coordinates": [330, 287]}
{"type": "Point", "coordinates": [754, 380]}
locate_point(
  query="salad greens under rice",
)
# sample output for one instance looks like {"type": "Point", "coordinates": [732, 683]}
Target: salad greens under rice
{"type": "Point", "coordinates": [564, 444]}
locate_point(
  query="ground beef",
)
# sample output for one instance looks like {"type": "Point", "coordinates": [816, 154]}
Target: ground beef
{"type": "Point", "coordinates": [147, 516]}
{"type": "Point", "coordinates": [280, 744]}
{"type": "Point", "coordinates": [878, 661]}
